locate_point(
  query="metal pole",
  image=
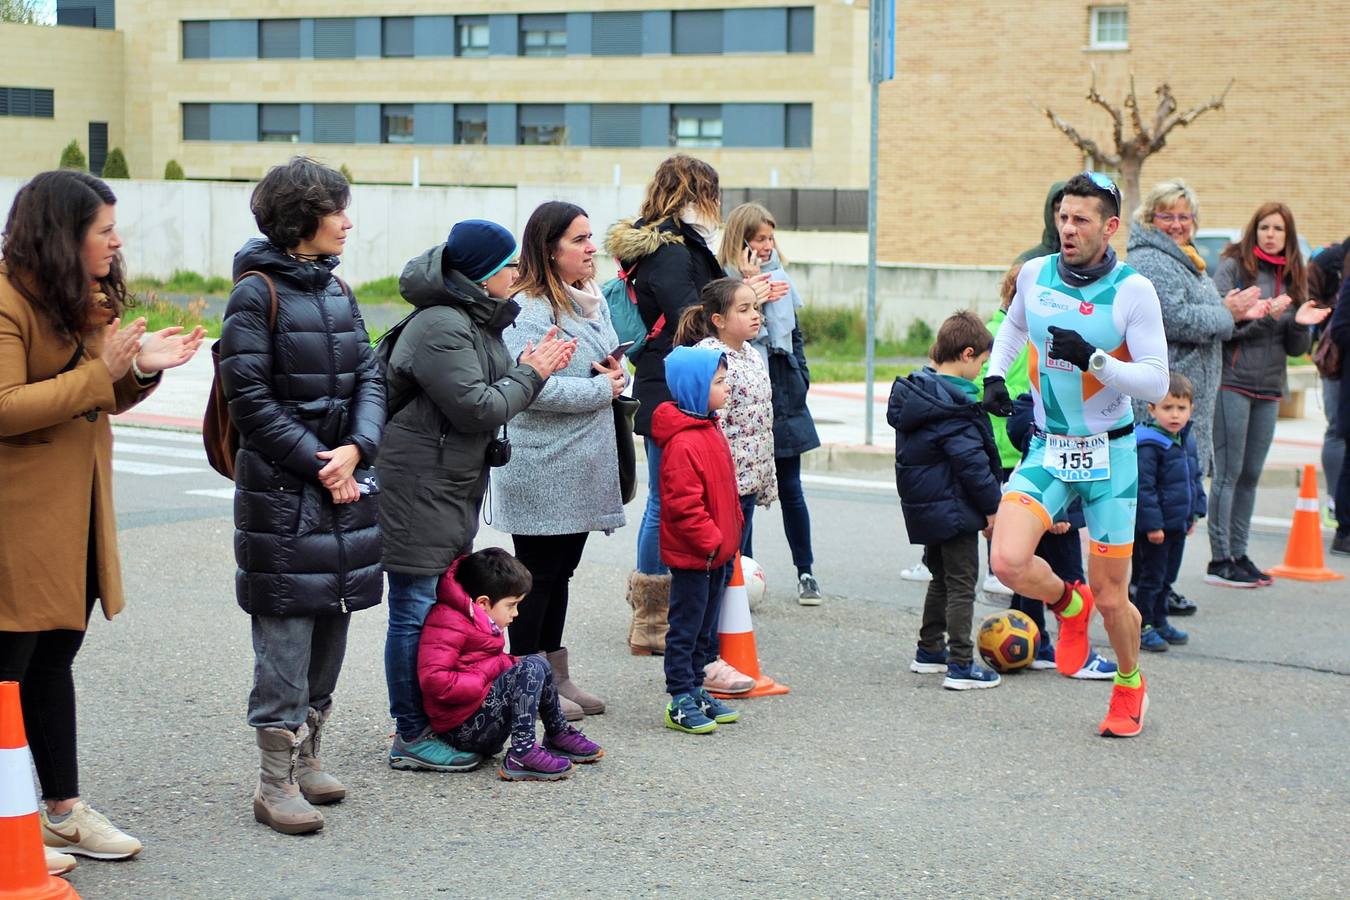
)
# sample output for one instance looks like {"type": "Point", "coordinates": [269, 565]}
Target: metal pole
{"type": "Point", "coordinates": [875, 13]}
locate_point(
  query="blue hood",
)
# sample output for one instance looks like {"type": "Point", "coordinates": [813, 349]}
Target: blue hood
{"type": "Point", "coordinates": [689, 375]}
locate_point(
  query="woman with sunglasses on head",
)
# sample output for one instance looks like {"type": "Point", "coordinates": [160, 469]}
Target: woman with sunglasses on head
{"type": "Point", "coordinates": [1255, 360]}
{"type": "Point", "coordinates": [453, 385]}
{"type": "Point", "coordinates": [66, 363]}
{"type": "Point", "coordinates": [1196, 317]}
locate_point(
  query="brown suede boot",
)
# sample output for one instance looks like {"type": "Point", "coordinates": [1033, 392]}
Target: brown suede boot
{"type": "Point", "coordinates": [277, 802]}
{"type": "Point", "coordinates": [317, 785]}
{"type": "Point", "coordinates": [587, 702]}
{"type": "Point", "coordinates": [649, 596]}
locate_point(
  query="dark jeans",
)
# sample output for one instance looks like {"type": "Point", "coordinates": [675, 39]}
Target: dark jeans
{"type": "Point", "coordinates": [950, 603]}
{"type": "Point", "coordinates": [796, 517]}
{"type": "Point", "coordinates": [551, 559]}
{"type": "Point", "coordinates": [1064, 553]}
{"type": "Point", "coordinates": [1156, 567]}
{"type": "Point", "coordinates": [41, 662]}
{"type": "Point", "coordinates": [411, 597]}
{"type": "Point", "coordinates": [747, 513]}
{"type": "Point", "coordinates": [691, 643]}
{"type": "Point", "coordinates": [649, 530]}
{"type": "Point", "coordinates": [519, 696]}
{"type": "Point", "coordinates": [296, 663]}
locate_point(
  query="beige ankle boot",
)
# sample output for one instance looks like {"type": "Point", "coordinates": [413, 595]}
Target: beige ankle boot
{"type": "Point", "coordinates": [649, 596]}
{"type": "Point", "coordinates": [317, 785]}
{"type": "Point", "coordinates": [585, 701]}
{"type": "Point", "coordinates": [277, 802]}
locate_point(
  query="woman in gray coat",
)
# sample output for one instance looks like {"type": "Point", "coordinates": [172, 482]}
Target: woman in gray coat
{"type": "Point", "coordinates": [452, 387]}
{"type": "Point", "coordinates": [563, 479]}
{"type": "Point", "coordinates": [1196, 318]}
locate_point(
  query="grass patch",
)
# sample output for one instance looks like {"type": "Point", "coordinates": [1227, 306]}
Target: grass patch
{"type": "Point", "coordinates": [381, 290]}
{"type": "Point", "coordinates": [840, 332]}
{"type": "Point", "coordinates": [182, 281]}
{"type": "Point", "coordinates": [160, 313]}
{"type": "Point", "coordinates": [834, 371]}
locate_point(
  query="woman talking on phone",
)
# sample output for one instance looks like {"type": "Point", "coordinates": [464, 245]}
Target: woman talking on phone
{"type": "Point", "coordinates": [562, 482]}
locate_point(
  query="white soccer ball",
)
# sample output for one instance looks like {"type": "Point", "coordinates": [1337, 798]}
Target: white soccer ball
{"type": "Point", "coordinates": [755, 586]}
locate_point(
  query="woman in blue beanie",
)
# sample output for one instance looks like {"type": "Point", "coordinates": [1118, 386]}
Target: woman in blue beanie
{"type": "Point", "coordinates": [452, 387]}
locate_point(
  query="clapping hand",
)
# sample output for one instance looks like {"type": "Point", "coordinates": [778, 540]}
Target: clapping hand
{"type": "Point", "coordinates": [766, 289]}
{"type": "Point", "coordinates": [1240, 303]}
{"type": "Point", "coordinates": [168, 349]}
{"type": "Point", "coordinates": [550, 355]}
{"type": "Point", "coordinates": [1279, 304]}
{"type": "Point", "coordinates": [1310, 314]}
{"type": "Point", "coordinates": [120, 346]}
{"type": "Point", "coordinates": [612, 369]}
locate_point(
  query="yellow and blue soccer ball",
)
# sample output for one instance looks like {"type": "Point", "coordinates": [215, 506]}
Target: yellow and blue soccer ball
{"type": "Point", "coordinates": [1008, 640]}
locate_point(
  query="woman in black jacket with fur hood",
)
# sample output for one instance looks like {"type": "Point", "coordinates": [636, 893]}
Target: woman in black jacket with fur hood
{"type": "Point", "coordinates": [308, 400]}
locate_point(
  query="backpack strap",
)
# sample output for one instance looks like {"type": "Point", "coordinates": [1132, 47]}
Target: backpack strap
{"type": "Point", "coordinates": [628, 277]}
{"type": "Point", "coordinates": [271, 291]}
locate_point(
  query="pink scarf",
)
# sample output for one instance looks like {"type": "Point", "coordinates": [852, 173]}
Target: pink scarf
{"type": "Point", "coordinates": [1278, 262]}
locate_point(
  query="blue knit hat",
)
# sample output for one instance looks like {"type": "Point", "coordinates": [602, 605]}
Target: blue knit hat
{"type": "Point", "coordinates": [478, 249]}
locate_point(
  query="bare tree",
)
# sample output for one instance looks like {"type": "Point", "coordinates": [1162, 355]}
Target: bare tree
{"type": "Point", "coordinates": [24, 12]}
{"type": "Point", "coordinates": [1131, 150]}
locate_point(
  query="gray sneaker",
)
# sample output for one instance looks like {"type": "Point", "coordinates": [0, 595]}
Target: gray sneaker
{"type": "Point", "coordinates": [430, 752]}
{"type": "Point", "coordinates": [808, 591]}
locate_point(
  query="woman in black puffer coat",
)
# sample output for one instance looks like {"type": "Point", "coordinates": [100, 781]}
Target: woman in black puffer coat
{"type": "Point", "coordinates": [308, 399]}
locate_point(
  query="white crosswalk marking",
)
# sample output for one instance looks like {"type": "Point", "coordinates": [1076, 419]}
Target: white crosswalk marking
{"type": "Point", "coordinates": [135, 467]}
{"type": "Point", "coordinates": [158, 434]}
{"type": "Point", "coordinates": [131, 443]}
{"type": "Point", "coordinates": [218, 493]}
{"type": "Point", "coordinates": [136, 449]}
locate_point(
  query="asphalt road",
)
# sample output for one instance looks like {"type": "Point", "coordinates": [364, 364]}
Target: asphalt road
{"type": "Point", "coordinates": [865, 780]}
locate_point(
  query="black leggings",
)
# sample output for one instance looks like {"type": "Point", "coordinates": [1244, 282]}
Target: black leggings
{"type": "Point", "coordinates": [41, 662]}
{"type": "Point", "coordinates": [551, 559]}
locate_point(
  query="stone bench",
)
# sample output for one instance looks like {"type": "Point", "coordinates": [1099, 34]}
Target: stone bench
{"type": "Point", "coordinates": [1302, 379]}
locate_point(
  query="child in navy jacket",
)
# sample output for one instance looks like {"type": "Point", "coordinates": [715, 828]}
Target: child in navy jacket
{"type": "Point", "coordinates": [947, 471]}
{"type": "Point", "coordinates": [1171, 498]}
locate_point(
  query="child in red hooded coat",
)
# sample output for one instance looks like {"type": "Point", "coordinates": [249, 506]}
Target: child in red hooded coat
{"type": "Point", "coordinates": [475, 693]}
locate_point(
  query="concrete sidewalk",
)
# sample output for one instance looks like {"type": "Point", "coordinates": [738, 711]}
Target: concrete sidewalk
{"type": "Point", "coordinates": [839, 411]}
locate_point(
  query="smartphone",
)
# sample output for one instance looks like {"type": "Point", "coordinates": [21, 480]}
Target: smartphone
{"type": "Point", "coordinates": [617, 353]}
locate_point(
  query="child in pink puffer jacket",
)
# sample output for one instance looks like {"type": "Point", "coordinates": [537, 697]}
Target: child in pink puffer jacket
{"type": "Point", "coordinates": [473, 689]}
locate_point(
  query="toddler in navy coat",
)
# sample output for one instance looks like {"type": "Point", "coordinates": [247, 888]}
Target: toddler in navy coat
{"type": "Point", "coordinates": [1171, 498]}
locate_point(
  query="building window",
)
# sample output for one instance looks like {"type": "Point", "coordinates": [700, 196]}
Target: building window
{"type": "Point", "coordinates": [279, 122]}
{"type": "Point", "coordinates": [471, 123]}
{"type": "Point", "coordinates": [196, 121]}
{"type": "Point", "coordinates": [396, 123]}
{"type": "Point", "coordinates": [1110, 29]}
{"type": "Point", "coordinates": [616, 125]}
{"type": "Point", "coordinates": [696, 126]}
{"type": "Point", "coordinates": [33, 103]}
{"type": "Point", "coordinates": [196, 40]}
{"type": "Point", "coordinates": [334, 38]}
{"type": "Point", "coordinates": [334, 123]}
{"type": "Point", "coordinates": [471, 35]}
{"type": "Point", "coordinates": [697, 31]}
{"type": "Point", "coordinates": [616, 34]}
{"type": "Point", "coordinates": [797, 117]}
{"type": "Point", "coordinates": [279, 39]}
{"type": "Point", "coordinates": [397, 36]}
{"type": "Point", "coordinates": [801, 36]}
{"type": "Point", "coordinates": [543, 35]}
{"type": "Point", "coordinates": [541, 124]}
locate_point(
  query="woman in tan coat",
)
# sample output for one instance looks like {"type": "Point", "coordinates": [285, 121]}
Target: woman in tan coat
{"type": "Point", "coordinates": [66, 364]}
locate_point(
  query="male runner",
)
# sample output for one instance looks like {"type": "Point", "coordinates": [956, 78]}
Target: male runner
{"type": "Point", "coordinates": [1094, 332]}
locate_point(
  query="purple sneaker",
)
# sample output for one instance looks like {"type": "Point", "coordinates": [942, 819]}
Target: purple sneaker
{"type": "Point", "coordinates": [535, 764]}
{"type": "Point", "coordinates": [574, 745]}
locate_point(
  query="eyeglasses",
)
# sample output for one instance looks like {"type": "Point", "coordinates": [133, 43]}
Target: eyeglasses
{"type": "Point", "coordinates": [1169, 218]}
{"type": "Point", "coordinates": [1105, 183]}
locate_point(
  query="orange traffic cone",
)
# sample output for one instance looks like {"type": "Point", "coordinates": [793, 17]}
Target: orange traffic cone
{"type": "Point", "coordinates": [736, 634]}
{"type": "Point", "coordinates": [23, 864]}
{"type": "Point", "coordinates": [1303, 556]}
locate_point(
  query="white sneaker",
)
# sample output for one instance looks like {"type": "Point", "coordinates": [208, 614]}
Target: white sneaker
{"type": "Point", "coordinates": [88, 832]}
{"type": "Point", "coordinates": [916, 572]}
{"type": "Point", "coordinates": [59, 863]}
{"type": "Point", "coordinates": [993, 586]}
{"type": "Point", "coordinates": [808, 590]}
{"type": "Point", "coordinates": [720, 676]}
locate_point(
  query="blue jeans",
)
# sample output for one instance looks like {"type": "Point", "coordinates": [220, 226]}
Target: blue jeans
{"type": "Point", "coordinates": [410, 599]}
{"type": "Point", "coordinates": [796, 517]}
{"type": "Point", "coordinates": [649, 532]}
{"type": "Point", "coordinates": [695, 608]}
{"type": "Point", "coordinates": [747, 513]}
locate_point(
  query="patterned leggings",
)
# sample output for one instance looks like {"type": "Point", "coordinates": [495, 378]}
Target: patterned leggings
{"type": "Point", "coordinates": [520, 695]}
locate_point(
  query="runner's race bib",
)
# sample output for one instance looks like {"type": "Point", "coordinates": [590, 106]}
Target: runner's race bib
{"type": "Point", "coordinates": [1074, 458]}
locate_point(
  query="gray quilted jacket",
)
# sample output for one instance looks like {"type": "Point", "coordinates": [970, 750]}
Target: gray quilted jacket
{"type": "Point", "coordinates": [1196, 323]}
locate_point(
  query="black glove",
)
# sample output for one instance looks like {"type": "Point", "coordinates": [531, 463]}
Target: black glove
{"type": "Point", "coordinates": [996, 399]}
{"type": "Point", "coordinates": [1068, 345]}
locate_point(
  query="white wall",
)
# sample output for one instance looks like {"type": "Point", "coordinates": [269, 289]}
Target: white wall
{"type": "Point", "coordinates": [198, 226]}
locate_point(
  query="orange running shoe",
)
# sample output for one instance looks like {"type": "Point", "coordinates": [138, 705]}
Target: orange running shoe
{"type": "Point", "coordinates": [1072, 647]}
{"type": "Point", "coordinates": [1125, 715]}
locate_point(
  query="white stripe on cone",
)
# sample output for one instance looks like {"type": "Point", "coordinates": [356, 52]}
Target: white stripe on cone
{"type": "Point", "coordinates": [1306, 504]}
{"type": "Point", "coordinates": [17, 797]}
{"type": "Point", "coordinates": [735, 609]}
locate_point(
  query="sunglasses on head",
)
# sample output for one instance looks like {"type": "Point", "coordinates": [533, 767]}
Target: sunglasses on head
{"type": "Point", "coordinates": [1105, 183]}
